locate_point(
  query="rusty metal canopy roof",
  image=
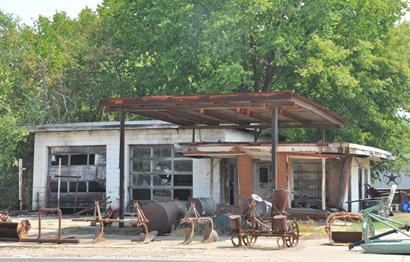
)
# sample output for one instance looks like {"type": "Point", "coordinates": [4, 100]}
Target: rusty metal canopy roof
{"type": "Point", "coordinates": [239, 110]}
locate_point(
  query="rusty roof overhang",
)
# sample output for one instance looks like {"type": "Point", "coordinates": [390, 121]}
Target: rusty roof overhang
{"type": "Point", "coordinates": [239, 110]}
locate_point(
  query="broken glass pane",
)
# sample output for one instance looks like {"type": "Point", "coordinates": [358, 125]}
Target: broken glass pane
{"type": "Point", "coordinates": [162, 166]}
{"type": "Point", "coordinates": [163, 151]}
{"type": "Point", "coordinates": [141, 165]}
{"type": "Point", "coordinates": [162, 180]}
{"type": "Point", "coordinates": [162, 194]}
{"type": "Point", "coordinates": [183, 165]}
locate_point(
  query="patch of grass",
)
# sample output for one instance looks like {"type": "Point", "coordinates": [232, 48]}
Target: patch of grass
{"type": "Point", "coordinates": [311, 229]}
{"type": "Point", "coordinates": [403, 218]}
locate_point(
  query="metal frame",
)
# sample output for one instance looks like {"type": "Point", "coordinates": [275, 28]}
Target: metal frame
{"type": "Point", "coordinates": [152, 158]}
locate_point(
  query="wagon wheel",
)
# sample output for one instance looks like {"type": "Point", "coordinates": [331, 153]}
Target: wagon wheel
{"type": "Point", "coordinates": [236, 239]}
{"type": "Point", "coordinates": [249, 240]}
{"type": "Point", "coordinates": [293, 231]}
{"type": "Point", "coordinates": [281, 241]}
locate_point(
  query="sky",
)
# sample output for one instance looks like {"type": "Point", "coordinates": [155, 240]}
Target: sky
{"type": "Point", "coordinates": [29, 10]}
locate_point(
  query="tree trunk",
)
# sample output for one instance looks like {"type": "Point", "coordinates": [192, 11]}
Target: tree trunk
{"type": "Point", "coordinates": [256, 75]}
{"type": "Point", "coordinates": [269, 70]}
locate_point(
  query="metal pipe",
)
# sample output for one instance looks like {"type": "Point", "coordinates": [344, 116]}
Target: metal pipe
{"type": "Point", "coordinates": [323, 184]}
{"type": "Point", "coordinates": [59, 182]}
{"type": "Point", "coordinates": [21, 184]}
{"type": "Point", "coordinates": [274, 144]}
{"type": "Point", "coordinates": [358, 243]}
{"type": "Point", "coordinates": [121, 163]}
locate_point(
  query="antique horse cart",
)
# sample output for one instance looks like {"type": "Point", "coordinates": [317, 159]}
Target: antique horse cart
{"type": "Point", "coordinates": [264, 219]}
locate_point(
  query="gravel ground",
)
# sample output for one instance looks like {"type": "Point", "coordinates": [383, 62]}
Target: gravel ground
{"type": "Point", "coordinates": [170, 248]}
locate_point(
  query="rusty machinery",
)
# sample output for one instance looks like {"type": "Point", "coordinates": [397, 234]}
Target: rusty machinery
{"type": "Point", "coordinates": [192, 219]}
{"type": "Point", "coordinates": [13, 231]}
{"type": "Point", "coordinates": [260, 221]}
{"type": "Point", "coordinates": [53, 239]}
{"type": "Point", "coordinates": [139, 219]}
{"type": "Point", "coordinates": [339, 227]}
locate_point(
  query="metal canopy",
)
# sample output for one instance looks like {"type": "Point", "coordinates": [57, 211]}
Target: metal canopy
{"type": "Point", "coordinates": [240, 110]}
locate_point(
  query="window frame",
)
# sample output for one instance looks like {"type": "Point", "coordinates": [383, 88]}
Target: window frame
{"type": "Point", "coordinates": [152, 158]}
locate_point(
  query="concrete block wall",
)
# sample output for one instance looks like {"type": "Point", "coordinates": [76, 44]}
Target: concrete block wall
{"type": "Point", "coordinates": [110, 139]}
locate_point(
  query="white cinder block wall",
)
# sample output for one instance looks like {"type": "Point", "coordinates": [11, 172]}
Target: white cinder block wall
{"type": "Point", "coordinates": [110, 139]}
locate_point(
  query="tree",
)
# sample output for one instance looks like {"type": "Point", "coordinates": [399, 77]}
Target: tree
{"type": "Point", "coordinates": [346, 55]}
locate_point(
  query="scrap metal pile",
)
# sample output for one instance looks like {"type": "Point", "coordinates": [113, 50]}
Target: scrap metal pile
{"type": "Point", "coordinates": [265, 219]}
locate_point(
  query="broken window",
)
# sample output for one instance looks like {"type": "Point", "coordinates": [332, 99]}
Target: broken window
{"type": "Point", "coordinates": [159, 173]}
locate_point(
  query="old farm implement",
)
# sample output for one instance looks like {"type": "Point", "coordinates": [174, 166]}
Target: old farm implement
{"type": "Point", "coordinates": [58, 239]}
{"type": "Point", "coordinates": [194, 219]}
{"type": "Point", "coordinates": [339, 227]}
{"type": "Point", "coordinates": [372, 243]}
{"type": "Point", "coordinates": [262, 222]}
{"type": "Point", "coordinates": [13, 231]}
{"type": "Point", "coordinates": [139, 219]}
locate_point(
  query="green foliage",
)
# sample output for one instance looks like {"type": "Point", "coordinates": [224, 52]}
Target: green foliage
{"type": "Point", "coordinates": [350, 56]}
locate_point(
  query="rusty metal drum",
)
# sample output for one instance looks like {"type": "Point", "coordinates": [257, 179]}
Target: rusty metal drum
{"type": "Point", "coordinates": [205, 206]}
{"type": "Point", "coordinates": [235, 222]}
{"type": "Point", "coordinates": [280, 200]}
{"type": "Point", "coordinates": [163, 216]}
{"type": "Point", "coordinates": [279, 223]}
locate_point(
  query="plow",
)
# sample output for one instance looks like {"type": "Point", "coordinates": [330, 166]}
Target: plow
{"type": "Point", "coordinates": [192, 220]}
{"type": "Point", "coordinates": [139, 219]}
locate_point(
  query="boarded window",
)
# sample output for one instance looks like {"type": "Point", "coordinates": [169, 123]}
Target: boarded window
{"type": "Point", "coordinates": [82, 187]}
{"type": "Point", "coordinates": [78, 160]}
{"type": "Point", "coordinates": [182, 194]}
{"type": "Point", "coordinates": [141, 194]}
{"type": "Point", "coordinates": [95, 187]}
{"type": "Point", "coordinates": [183, 180]}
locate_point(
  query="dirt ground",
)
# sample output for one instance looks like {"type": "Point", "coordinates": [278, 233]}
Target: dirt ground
{"type": "Point", "coordinates": [170, 247]}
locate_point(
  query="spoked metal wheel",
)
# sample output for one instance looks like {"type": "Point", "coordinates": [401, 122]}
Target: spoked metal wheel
{"type": "Point", "coordinates": [293, 230]}
{"type": "Point", "coordinates": [250, 240]}
{"type": "Point", "coordinates": [236, 239]}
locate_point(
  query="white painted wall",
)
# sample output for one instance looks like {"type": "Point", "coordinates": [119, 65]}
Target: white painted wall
{"type": "Point", "coordinates": [110, 138]}
{"type": "Point", "coordinates": [357, 163]}
{"type": "Point", "coordinates": [202, 179]}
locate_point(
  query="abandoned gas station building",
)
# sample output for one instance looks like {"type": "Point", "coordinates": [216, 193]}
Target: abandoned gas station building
{"type": "Point", "coordinates": [201, 146]}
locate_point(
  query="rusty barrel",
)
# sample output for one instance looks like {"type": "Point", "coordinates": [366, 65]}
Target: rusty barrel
{"type": "Point", "coordinates": [280, 200]}
{"type": "Point", "coordinates": [163, 216]}
{"type": "Point", "coordinates": [235, 222]}
{"type": "Point", "coordinates": [280, 223]}
{"type": "Point", "coordinates": [263, 209]}
{"type": "Point", "coordinates": [8, 231]}
{"type": "Point", "coordinates": [205, 206]}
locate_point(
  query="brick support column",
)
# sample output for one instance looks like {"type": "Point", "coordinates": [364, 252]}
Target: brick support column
{"type": "Point", "coordinates": [282, 175]}
{"type": "Point", "coordinates": [245, 175]}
